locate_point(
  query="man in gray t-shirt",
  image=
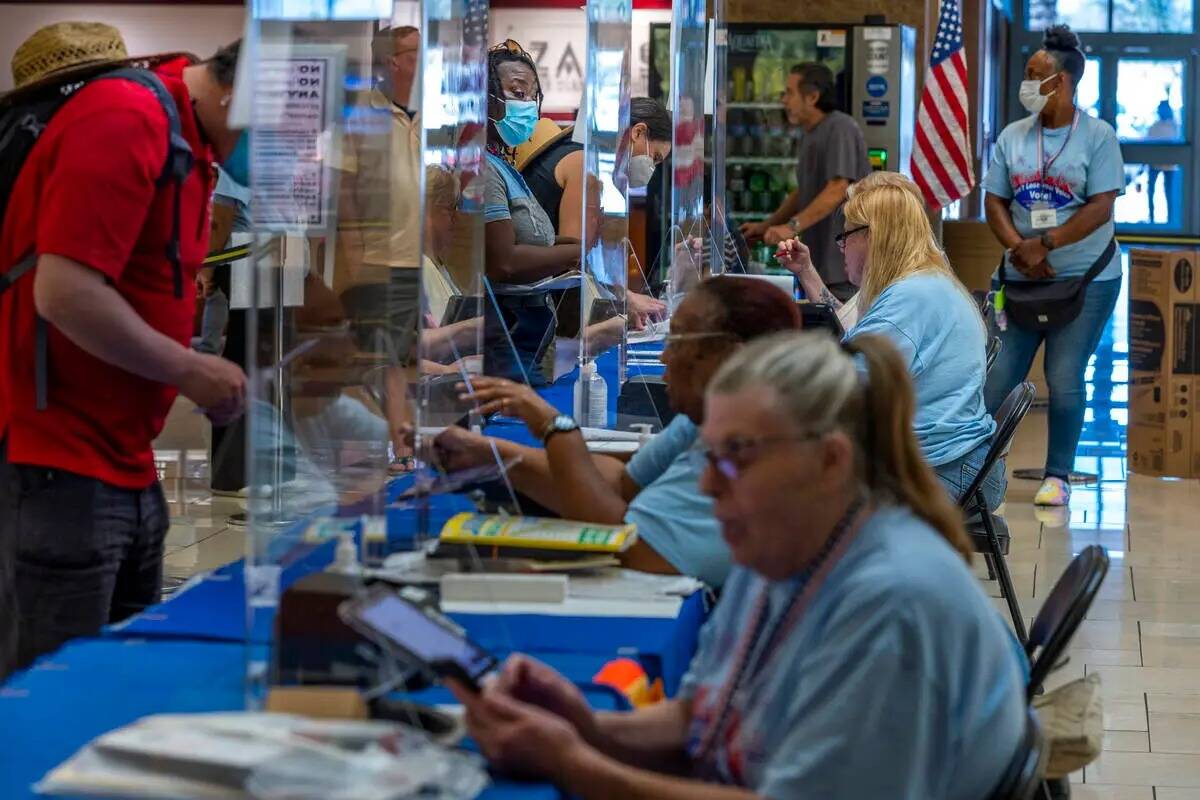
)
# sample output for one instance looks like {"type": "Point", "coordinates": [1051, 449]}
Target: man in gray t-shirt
{"type": "Point", "coordinates": [832, 155]}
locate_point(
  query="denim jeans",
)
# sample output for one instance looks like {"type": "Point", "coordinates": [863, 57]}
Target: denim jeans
{"type": "Point", "coordinates": [83, 554]}
{"type": "Point", "coordinates": [1068, 350]}
{"type": "Point", "coordinates": [213, 323]}
{"type": "Point", "coordinates": [958, 475]}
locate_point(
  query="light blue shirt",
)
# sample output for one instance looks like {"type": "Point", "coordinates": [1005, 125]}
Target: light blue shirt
{"type": "Point", "coordinates": [671, 513]}
{"type": "Point", "coordinates": [1089, 165]}
{"type": "Point", "coordinates": [899, 681]}
{"type": "Point", "coordinates": [940, 335]}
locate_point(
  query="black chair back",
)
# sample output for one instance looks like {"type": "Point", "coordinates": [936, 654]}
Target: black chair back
{"type": "Point", "coordinates": [993, 350]}
{"type": "Point", "coordinates": [1024, 778]}
{"type": "Point", "coordinates": [1063, 611]}
{"type": "Point", "coordinates": [1008, 418]}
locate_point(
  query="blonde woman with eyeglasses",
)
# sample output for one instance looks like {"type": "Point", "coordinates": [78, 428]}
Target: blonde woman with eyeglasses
{"type": "Point", "coordinates": [908, 293]}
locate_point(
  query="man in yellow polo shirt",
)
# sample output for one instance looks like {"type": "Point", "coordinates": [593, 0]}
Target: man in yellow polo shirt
{"type": "Point", "coordinates": [378, 257]}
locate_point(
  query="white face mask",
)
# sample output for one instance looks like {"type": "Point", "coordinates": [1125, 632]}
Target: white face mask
{"type": "Point", "coordinates": [640, 169]}
{"type": "Point", "coordinates": [1031, 95]}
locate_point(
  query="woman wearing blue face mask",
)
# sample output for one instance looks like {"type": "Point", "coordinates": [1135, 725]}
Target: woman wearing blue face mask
{"type": "Point", "coordinates": [1050, 192]}
{"type": "Point", "coordinates": [520, 242]}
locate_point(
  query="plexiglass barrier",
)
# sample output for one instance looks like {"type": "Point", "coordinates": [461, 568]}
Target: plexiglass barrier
{"type": "Point", "coordinates": [380, 295]}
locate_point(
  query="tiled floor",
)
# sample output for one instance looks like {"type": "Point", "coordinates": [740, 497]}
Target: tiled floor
{"type": "Point", "coordinates": [1142, 635]}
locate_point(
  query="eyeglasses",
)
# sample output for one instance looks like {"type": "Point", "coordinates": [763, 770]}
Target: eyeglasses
{"type": "Point", "coordinates": [678, 338]}
{"type": "Point", "coordinates": [733, 457]}
{"type": "Point", "coordinates": [842, 237]}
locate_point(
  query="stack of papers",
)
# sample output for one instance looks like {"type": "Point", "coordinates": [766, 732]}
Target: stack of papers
{"type": "Point", "coordinates": [243, 755]}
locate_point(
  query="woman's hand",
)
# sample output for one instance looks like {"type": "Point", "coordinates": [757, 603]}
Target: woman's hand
{"type": "Point", "coordinates": [1029, 257]}
{"type": "Point", "coordinates": [643, 310]}
{"type": "Point", "coordinates": [497, 395]}
{"type": "Point", "coordinates": [518, 737]}
{"type": "Point", "coordinates": [794, 256]}
{"type": "Point", "coordinates": [530, 681]}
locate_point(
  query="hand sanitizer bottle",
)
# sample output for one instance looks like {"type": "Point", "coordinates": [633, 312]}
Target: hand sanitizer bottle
{"type": "Point", "coordinates": [591, 397]}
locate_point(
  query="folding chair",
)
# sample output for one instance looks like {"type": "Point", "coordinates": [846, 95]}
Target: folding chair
{"type": "Point", "coordinates": [1023, 780]}
{"type": "Point", "coordinates": [988, 532]}
{"type": "Point", "coordinates": [993, 350]}
{"type": "Point", "coordinates": [1062, 613]}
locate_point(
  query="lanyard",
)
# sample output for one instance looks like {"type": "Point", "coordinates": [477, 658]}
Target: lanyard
{"type": "Point", "coordinates": [806, 586]}
{"type": "Point", "coordinates": [1043, 165]}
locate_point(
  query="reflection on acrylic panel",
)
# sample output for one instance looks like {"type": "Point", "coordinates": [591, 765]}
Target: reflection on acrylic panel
{"type": "Point", "coordinates": [1153, 195]}
{"type": "Point", "coordinates": [606, 152]}
{"type": "Point", "coordinates": [322, 9]}
{"type": "Point", "coordinates": [688, 230]}
{"type": "Point", "coordinates": [1150, 100]}
{"type": "Point", "coordinates": [453, 123]}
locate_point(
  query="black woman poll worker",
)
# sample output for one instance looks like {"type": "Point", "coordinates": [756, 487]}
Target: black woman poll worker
{"type": "Point", "coordinates": [658, 489]}
{"type": "Point", "coordinates": [520, 243]}
{"type": "Point", "coordinates": [852, 653]}
{"type": "Point", "coordinates": [1054, 178]}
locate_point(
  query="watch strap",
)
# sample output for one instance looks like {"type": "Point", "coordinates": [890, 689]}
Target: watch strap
{"type": "Point", "coordinates": [560, 424]}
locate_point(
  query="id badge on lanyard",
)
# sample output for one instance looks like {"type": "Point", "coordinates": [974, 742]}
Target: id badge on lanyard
{"type": "Point", "coordinates": [1044, 216]}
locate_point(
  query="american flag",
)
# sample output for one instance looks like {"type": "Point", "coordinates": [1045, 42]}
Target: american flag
{"type": "Point", "coordinates": [941, 162]}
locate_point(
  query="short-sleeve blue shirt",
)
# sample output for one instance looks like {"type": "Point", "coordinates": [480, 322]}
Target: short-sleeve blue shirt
{"type": "Point", "coordinates": [898, 682]}
{"type": "Point", "coordinates": [671, 513]}
{"type": "Point", "coordinates": [940, 336]}
{"type": "Point", "coordinates": [1090, 164]}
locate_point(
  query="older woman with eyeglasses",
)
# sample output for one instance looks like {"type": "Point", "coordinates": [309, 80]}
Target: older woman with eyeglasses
{"type": "Point", "coordinates": [658, 489]}
{"type": "Point", "coordinates": [908, 293]}
{"type": "Point", "coordinates": [852, 654]}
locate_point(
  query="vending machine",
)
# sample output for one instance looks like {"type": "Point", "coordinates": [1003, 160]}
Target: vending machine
{"type": "Point", "coordinates": [874, 67]}
{"type": "Point", "coordinates": [883, 92]}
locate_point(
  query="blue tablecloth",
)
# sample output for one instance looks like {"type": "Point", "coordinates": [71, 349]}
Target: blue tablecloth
{"type": "Point", "coordinates": [214, 609]}
{"type": "Point", "coordinates": [95, 685]}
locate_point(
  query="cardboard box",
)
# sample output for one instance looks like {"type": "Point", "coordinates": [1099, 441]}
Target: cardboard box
{"type": "Point", "coordinates": [1164, 363]}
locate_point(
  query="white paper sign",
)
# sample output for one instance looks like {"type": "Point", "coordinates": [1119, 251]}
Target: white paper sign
{"type": "Point", "coordinates": [294, 142]}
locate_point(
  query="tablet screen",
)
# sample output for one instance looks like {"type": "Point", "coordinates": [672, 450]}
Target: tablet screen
{"type": "Point", "coordinates": [410, 628]}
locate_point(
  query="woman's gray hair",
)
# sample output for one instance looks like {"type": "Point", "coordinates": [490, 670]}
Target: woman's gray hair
{"type": "Point", "coordinates": [863, 388]}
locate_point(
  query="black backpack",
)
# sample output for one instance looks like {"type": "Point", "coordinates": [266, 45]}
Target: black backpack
{"type": "Point", "coordinates": [22, 122]}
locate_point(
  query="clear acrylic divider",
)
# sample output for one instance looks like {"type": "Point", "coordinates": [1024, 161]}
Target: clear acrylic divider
{"type": "Point", "coordinates": [607, 150]}
{"type": "Point", "coordinates": [368, 333]}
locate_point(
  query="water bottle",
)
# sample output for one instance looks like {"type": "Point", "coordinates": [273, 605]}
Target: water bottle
{"type": "Point", "coordinates": [591, 397]}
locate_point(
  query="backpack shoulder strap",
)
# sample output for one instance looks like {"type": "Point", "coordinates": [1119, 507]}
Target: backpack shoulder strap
{"type": "Point", "coordinates": [179, 161]}
{"type": "Point", "coordinates": [179, 153]}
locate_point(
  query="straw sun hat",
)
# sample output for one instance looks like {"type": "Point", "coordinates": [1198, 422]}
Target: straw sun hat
{"type": "Point", "coordinates": [66, 49]}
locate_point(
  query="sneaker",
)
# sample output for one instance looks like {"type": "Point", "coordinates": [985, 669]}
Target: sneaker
{"type": "Point", "coordinates": [1054, 492]}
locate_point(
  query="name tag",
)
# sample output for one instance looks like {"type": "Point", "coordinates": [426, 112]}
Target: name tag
{"type": "Point", "coordinates": [1043, 218]}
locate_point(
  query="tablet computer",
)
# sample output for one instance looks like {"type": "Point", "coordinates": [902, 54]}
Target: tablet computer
{"type": "Point", "coordinates": [426, 637]}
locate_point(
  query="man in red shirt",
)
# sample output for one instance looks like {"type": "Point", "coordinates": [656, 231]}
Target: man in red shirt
{"type": "Point", "coordinates": [82, 516]}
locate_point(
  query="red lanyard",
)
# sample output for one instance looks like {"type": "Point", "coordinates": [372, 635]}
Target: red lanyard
{"type": "Point", "coordinates": [808, 582]}
{"type": "Point", "coordinates": [1044, 166]}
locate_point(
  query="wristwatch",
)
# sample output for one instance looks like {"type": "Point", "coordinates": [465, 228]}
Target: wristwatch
{"type": "Point", "coordinates": [1047, 241]}
{"type": "Point", "coordinates": [794, 224]}
{"type": "Point", "coordinates": [560, 424]}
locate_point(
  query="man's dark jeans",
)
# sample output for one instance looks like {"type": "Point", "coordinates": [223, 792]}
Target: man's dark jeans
{"type": "Point", "coordinates": [75, 554]}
